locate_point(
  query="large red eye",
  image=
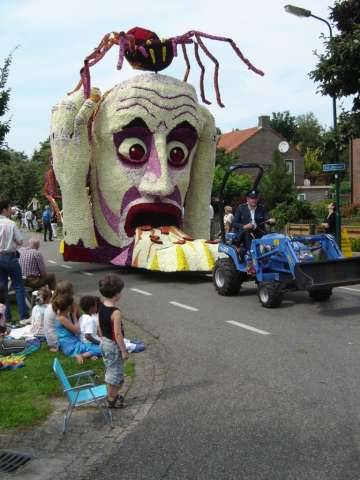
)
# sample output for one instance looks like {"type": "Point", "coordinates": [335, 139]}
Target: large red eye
{"type": "Point", "coordinates": [133, 150]}
{"type": "Point", "coordinates": [136, 152]}
{"type": "Point", "coordinates": [177, 154]}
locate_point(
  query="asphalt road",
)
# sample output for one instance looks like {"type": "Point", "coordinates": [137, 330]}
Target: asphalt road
{"type": "Point", "coordinates": [280, 400]}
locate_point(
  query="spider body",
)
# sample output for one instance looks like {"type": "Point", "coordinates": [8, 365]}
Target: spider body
{"type": "Point", "coordinates": [144, 50]}
{"type": "Point", "coordinates": [147, 51]}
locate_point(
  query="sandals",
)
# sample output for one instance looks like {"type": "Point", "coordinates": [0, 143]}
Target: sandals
{"type": "Point", "coordinates": [113, 403]}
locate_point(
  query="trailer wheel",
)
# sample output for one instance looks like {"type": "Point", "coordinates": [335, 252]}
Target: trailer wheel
{"type": "Point", "coordinates": [321, 295]}
{"type": "Point", "coordinates": [227, 280]}
{"type": "Point", "coordinates": [270, 294]}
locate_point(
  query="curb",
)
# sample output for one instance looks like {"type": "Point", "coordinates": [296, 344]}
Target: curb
{"type": "Point", "coordinates": [89, 440]}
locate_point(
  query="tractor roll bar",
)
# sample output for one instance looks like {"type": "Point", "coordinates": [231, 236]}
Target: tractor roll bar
{"type": "Point", "coordinates": [231, 170]}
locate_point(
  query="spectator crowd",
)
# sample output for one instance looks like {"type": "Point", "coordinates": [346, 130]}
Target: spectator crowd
{"type": "Point", "coordinates": [92, 328]}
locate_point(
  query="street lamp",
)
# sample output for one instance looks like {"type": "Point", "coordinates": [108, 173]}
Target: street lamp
{"type": "Point", "coordinates": [303, 12]}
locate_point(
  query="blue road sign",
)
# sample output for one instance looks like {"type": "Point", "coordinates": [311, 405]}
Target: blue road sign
{"type": "Point", "coordinates": [333, 167]}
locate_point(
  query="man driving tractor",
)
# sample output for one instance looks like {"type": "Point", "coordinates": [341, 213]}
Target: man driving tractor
{"type": "Point", "coordinates": [250, 220]}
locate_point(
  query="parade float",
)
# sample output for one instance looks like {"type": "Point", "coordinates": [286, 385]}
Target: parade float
{"type": "Point", "coordinates": [135, 164]}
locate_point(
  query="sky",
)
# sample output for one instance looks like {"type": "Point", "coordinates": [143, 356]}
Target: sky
{"type": "Point", "coordinates": [54, 37]}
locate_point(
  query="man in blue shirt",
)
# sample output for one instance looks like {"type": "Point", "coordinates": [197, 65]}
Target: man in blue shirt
{"type": "Point", "coordinates": [46, 217]}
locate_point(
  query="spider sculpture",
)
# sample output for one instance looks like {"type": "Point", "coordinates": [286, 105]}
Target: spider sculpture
{"type": "Point", "coordinates": [145, 51]}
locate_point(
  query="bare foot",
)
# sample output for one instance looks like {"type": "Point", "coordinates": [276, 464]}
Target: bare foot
{"type": "Point", "coordinates": [53, 349]}
{"type": "Point", "coordinates": [79, 359]}
{"type": "Point", "coordinates": [94, 358]}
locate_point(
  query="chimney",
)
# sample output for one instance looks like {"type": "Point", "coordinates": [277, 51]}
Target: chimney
{"type": "Point", "coordinates": [264, 121]}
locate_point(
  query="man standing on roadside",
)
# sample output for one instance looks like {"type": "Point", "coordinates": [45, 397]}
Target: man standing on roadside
{"type": "Point", "coordinates": [10, 240]}
{"type": "Point", "coordinates": [29, 217]}
{"type": "Point", "coordinates": [46, 218]}
{"type": "Point", "coordinates": [33, 267]}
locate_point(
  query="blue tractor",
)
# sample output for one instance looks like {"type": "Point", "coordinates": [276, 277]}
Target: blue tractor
{"type": "Point", "coordinates": [280, 263]}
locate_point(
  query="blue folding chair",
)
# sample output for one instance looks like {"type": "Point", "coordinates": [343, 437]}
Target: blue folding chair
{"type": "Point", "coordinates": [82, 394]}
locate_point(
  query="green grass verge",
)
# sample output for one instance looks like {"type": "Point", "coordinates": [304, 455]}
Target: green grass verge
{"type": "Point", "coordinates": [25, 393]}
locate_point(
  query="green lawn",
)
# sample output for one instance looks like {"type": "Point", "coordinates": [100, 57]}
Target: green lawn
{"type": "Point", "coordinates": [25, 393]}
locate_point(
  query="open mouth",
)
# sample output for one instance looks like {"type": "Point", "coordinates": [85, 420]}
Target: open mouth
{"type": "Point", "coordinates": [154, 214]}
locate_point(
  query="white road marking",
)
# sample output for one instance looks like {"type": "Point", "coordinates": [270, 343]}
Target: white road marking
{"type": "Point", "coordinates": [52, 261]}
{"type": "Point", "coordinates": [186, 307]}
{"type": "Point", "coordinates": [351, 289]}
{"type": "Point", "coordinates": [89, 274]}
{"type": "Point", "coordinates": [66, 266]}
{"type": "Point", "coordinates": [248, 327]}
{"type": "Point", "coordinates": [143, 292]}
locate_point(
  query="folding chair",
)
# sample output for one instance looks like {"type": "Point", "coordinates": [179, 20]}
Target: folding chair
{"type": "Point", "coordinates": [82, 394]}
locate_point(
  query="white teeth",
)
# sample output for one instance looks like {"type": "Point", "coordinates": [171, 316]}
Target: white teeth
{"type": "Point", "coordinates": [122, 233]}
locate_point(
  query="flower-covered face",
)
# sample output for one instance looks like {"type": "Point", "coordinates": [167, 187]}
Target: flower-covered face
{"type": "Point", "coordinates": [145, 136]}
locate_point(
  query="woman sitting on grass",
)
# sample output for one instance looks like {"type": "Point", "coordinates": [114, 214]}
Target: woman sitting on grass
{"type": "Point", "coordinates": [63, 287]}
{"type": "Point", "coordinates": [67, 331]}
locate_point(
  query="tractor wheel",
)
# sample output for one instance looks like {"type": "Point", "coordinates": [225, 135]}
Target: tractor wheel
{"type": "Point", "coordinates": [270, 294]}
{"type": "Point", "coordinates": [321, 294]}
{"type": "Point", "coordinates": [226, 278]}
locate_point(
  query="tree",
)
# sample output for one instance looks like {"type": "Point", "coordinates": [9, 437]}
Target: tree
{"type": "Point", "coordinates": [4, 99]}
{"type": "Point", "coordinates": [284, 124]}
{"type": "Point", "coordinates": [313, 165]}
{"type": "Point", "coordinates": [236, 184]}
{"type": "Point", "coordinates": [16, 177]}
{"type": "Point", "coordinates": [338, 69]}
{"type": "Point", "coordinates": [308, 132]}
{"type": "Point", "coordinates": [277, 184]}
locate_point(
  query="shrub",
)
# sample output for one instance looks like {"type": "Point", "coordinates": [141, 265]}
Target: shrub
{"type": "Point", "coordinates": [355, 244]}
{"type": "Point", "coordinates": [292, 212]}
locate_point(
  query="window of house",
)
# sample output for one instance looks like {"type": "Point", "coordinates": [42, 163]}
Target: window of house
{"type": "Point", "coordinates": [290, 165]}
{"type": "Point", "coordinates": [290, 168]}
{"type": "Point", "coordinates": [301, 197]}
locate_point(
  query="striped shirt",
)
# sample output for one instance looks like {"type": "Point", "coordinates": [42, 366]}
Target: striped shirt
{"type": "Point", "coordinates": [31, 262]}
{"type": "Point", "coordinates": [10, 236]}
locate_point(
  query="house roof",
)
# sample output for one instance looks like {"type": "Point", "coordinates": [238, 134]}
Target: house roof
{"type": "Point", "coordinates": [232, 140]}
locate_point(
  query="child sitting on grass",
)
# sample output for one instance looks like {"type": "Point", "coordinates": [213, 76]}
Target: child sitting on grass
{"type": "Point", "coordinates": [89, 320]}
{"type": "Point", "coordinates": [67, 331]}
{"type": "Point", "coordinates": [38, 312]}
{"type": "Point", "coordinates": [111, 331]}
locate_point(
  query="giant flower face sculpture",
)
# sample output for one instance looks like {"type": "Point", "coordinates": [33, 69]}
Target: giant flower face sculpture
{"type": "Point", "coordinates": [151, 152]}
{"type": "Point", "coordinates": [137, 164]}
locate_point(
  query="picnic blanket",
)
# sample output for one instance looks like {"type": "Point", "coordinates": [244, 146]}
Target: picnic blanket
{"type": "Point", "coordinates": [13, 361]}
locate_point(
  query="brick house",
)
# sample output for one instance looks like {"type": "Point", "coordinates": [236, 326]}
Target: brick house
{"type": "Point", "coordinates": [257, 145]}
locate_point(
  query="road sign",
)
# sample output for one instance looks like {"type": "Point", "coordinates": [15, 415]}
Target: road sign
{"type": "Point", "coordinates": [333, 167]}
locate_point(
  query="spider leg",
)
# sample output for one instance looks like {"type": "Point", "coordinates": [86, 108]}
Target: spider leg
{"type": "Point", "coordinates": [78, 86]}
{"type": "Point", "coordinates": [183, 46]}
{"type": "Point", "coordinates": [85, 78]}
{"type": "Point", "coordinates": [104, 46]}
{"type": "Point", "coordinates": [122, 42]}
{"type": "Point", "coordinates": [196, 51]}
{"type": "Point", "coordinates": [216, 72]}
{"type": "Point", "coordinates": [236, 49]}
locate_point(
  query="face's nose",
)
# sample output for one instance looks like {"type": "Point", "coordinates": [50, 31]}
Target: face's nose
{"type": "Point", "coordinates": [156, 181]}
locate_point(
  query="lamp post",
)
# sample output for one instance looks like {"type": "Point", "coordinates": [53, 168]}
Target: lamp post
{"type": "Point", "coordinates": [303, 12]}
